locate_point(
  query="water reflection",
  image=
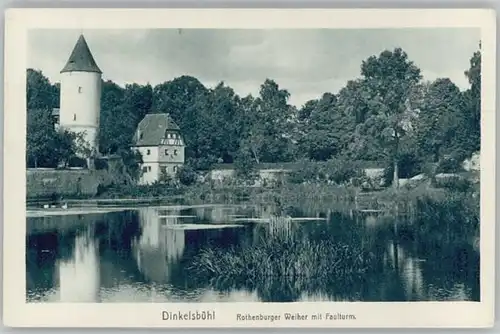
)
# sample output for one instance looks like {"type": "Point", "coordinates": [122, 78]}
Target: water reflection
{"type": "Point", "coordinates": [79, 277]}
{"type": "Point", "coordinates": [145, 255]}
{"type": "Point", "coordinates": [158, 247]}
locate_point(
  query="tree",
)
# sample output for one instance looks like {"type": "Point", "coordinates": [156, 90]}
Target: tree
{"type": "Point", "coordinates": [472, 100]}
{"type": "Point", "coordinates": [252, 138]}
{"type": "Point", "coordinates": [390, 79]}
{"type": "Point", "coordinates": [137, 102]}
{"type": "Point", "coordinates": [326, 131]}
{"type": "Point", "coordinates": [110, 128]}
{"type": "Point", "coordinates": [269, 124]}
{"type": "Point", "coordinates": [224, 108]}
{"type": "Point", "coordinates": [40, 139]}
{"type": "Point", "coordinates": [40, 93]}
{"type": "Point", "coordinates": [65, 146]}
{"type": "Point", "coordinates": [184, 98]}
{"type": "Point", "coordinates": [45, 146]}
{"type": "Point", "coordinates": [439, 121]}
{"type": "Point", "coordinates": [82, 148]}
{"type": "Point", "coordinates": [132, 160]}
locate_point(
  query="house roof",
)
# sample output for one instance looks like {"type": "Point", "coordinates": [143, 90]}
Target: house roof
{"type": "Point", "coordinates": [152, 128]}
{"type": "Point", "coordinates": [81, 59]}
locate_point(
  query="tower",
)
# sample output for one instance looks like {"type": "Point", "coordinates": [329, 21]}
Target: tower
{"type": "Point", "coordinates": [80, 99]}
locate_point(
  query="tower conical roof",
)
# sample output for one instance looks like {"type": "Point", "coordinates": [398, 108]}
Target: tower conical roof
{"type": "Point", "coordinates": [81, 59]}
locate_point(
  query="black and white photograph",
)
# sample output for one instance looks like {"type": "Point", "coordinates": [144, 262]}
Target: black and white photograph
{"type": "Point", "coordinates": [208, 165]}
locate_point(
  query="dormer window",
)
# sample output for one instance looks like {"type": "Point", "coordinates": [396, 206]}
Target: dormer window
{"type": "Point", "coordinates": [168, 135]}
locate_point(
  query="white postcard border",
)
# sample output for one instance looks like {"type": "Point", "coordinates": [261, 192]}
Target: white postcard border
{"type": "Point", "coordinates": [18, 313]}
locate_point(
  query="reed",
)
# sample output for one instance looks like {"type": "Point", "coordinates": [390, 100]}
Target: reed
{"type": "Point", "coordinates": [283, 255]}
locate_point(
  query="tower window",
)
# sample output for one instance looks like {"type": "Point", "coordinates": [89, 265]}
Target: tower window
{"type": "Point", "coordinates": [175, 152]}
{"type": "Point", "coordinates": [168, 135]}
{"type": "Point", "coordinates": [148, 152]}
{"type": "Point", "coordinates": [166, 152]}
{"type": "Point", "coordinates": [74, 117]}
{"type": "Point", "coordinates": [79, 89]}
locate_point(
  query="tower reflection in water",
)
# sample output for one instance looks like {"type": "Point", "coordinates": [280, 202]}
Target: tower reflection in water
{"type": "Point", "coordinates": [160, 246]}
{"type": "Point", "coordinates": [79, 277]}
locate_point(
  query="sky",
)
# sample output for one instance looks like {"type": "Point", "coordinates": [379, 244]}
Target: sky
{"type": "Point", "coordinates": [307, 63]}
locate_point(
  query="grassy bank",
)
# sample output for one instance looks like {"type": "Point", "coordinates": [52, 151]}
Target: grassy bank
{"type": "Point", "coordinates": [317, 197]}
{"type": "Point", "coordinates": [130, 191]}
{"type": "Point", "coordinates": [322, 197]}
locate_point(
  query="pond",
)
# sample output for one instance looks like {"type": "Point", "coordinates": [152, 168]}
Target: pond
{"type": "Point", "coordinates": [152, 254]}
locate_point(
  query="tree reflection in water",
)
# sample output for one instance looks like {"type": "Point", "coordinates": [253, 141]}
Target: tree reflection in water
{"type": "Point", "coordinates": [138, 255]}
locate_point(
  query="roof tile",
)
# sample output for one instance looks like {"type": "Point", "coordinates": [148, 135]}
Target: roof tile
{"type": "Point", "coordinates": [81, 59]}
{"type": "Point", "coordinates": [152, 128]}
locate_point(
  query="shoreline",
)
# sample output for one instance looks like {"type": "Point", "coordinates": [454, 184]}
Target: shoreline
{"type": "Point", "coordinates": [37, 202]}
{"type": "Point", "coordinates": [285, 195]}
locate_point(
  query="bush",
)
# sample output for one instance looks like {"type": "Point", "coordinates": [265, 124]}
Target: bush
{"type": "Point", "coordinates": [186, 175]}
{"type": "Point", "coordinates": [453, 183]}
{"type": "Point", "coordinates": [449, 164]}
{"type": "Point", "coordinates": [334, 170]}
{"type": "Point", "coordinates": [429, 169]}
{"type": "Point", "coordinates": [305, 171]}
{"type": "Point", "coordinates": [342, 171]}
{"type": "Point", "coordinates": [75, 161]}
{"type": "Point", "coordinates": [100, 164]}
{"type": "Point", "coordinates": [138, 191]}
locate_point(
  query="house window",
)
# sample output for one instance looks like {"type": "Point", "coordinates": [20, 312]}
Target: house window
{"type": "Point", "coordinates": [148, 152]}
{"type": "Point", "coordinates": [175, 152]}
{"type": "Point", "coordinates": [149, 168]}
{"type": "Point", "coordinates": [79, 89]}
{"type": "Point", "coordinates": [74, 117]}
{"type": "Point", "coordinates": [166, 152]}
{"type": "Point", "coordinates": [144, 169]}
{"type": "Point", "coordinates": [140, 136]}
{"type": "Point", "coordinates": [175, 168]}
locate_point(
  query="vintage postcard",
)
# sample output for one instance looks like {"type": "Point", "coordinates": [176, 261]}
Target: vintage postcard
{"type": "Point", "coordinates": [249, 168]}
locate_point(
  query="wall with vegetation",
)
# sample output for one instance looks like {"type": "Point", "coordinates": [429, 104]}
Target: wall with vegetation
{"type": "Point", "coordinates": [46, 183]}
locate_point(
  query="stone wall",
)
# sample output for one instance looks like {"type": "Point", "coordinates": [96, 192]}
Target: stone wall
{"type": "Point", "coordinates": [47, 183]}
